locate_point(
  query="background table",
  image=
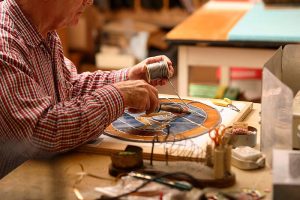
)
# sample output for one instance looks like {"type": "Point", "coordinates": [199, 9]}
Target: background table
{"type": "Point", "coordinates": [230, 34]}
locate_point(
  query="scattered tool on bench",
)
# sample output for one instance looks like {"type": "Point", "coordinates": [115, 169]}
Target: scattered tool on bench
{"type": "Point", "coordinates": [225, 103]}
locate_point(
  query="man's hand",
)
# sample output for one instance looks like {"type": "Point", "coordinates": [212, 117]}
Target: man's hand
{"type": "Point", "coordinates": [139, 96]}
{"type": "Point", "coordinates": [139, 71]}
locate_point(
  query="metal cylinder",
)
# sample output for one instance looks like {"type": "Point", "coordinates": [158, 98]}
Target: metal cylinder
{"type": "Point", "coordinates": [157, 70]}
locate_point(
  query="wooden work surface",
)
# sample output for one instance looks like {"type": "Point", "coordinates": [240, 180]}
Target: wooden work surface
{"type": "Point", "coordinates": [53, 179]}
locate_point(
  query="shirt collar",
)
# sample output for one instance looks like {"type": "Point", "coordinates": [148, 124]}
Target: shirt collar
{"type": "Point", "coordinates": [29, 32]}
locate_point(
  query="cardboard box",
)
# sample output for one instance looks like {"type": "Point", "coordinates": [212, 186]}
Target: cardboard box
{"type": "Point", "coordinates": [296, 122]}
{"type": "Point", "coordinates": [280, 85]}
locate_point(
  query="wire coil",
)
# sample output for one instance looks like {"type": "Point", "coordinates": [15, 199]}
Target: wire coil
{"type": "Point", "coordinates": [157, 70]}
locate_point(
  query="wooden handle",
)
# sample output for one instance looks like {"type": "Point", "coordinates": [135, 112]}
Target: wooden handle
{"type": "Point", "coordinates": [173, 109]}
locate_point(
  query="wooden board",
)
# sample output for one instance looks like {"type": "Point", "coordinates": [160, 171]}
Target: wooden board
{"type": "Point", "coordinates": [107, 145]}
{"type": "Point", "coordinates": [212, 22]}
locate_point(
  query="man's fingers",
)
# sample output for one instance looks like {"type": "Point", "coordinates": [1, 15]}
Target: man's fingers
{"type": "Point", "coordinates": [152, 99]}
{"type": "Point", "coordinates": [159, 82]}
{"type": "Point", "coordinates": [139, 96]}
{"type": "Point", "coordinates": [162, 82]}
{"type": "Point", "coordinates": [154, 59]}
{"type": "Point", "coordinates": [154, 82]}
{"type": "Point", "coordinates": [133, 110]}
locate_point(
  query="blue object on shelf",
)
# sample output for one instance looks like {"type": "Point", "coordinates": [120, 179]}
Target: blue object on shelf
{"type": "Point", "coordinates": [262, 23]}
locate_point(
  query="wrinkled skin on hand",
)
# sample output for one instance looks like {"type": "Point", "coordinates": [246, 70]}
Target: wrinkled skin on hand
{"type": "Point", "coordinates": [138, 95]}
{"type": "Point", "coordinates": [139, 71]}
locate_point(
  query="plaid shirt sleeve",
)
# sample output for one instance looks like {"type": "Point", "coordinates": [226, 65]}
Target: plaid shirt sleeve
{"type": "Point", "coordinates": [86, 82]}
{"type": "Point", "coordinates": [29, 115]}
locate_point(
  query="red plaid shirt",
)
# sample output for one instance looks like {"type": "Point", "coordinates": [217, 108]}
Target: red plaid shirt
{"type": "Point", "coordinates": [45, 106]}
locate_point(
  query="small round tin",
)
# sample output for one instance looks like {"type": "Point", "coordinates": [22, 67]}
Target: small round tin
{"type": "Point", "coordinates": [244, 139]}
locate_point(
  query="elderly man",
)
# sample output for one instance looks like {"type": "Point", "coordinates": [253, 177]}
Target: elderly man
{"type": "Point", "coordinates": [45, 106]}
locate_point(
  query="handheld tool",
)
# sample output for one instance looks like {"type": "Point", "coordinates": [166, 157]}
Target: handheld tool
{"type": "Point", "coordinates": [173, 109]}
{"type": "Point", "coordinates": [225, 103]}
{"type": "Point", "coordinates": [175, 184]}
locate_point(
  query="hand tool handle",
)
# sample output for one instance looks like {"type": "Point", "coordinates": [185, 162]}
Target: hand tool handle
{"type": "Point", "coordinates": [220, 102]}
{"type": "Point", "coordinates": [172, 109]}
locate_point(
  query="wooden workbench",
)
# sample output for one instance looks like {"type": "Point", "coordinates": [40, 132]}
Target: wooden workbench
{"type": "Point", "coordinates": [53, 179]}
